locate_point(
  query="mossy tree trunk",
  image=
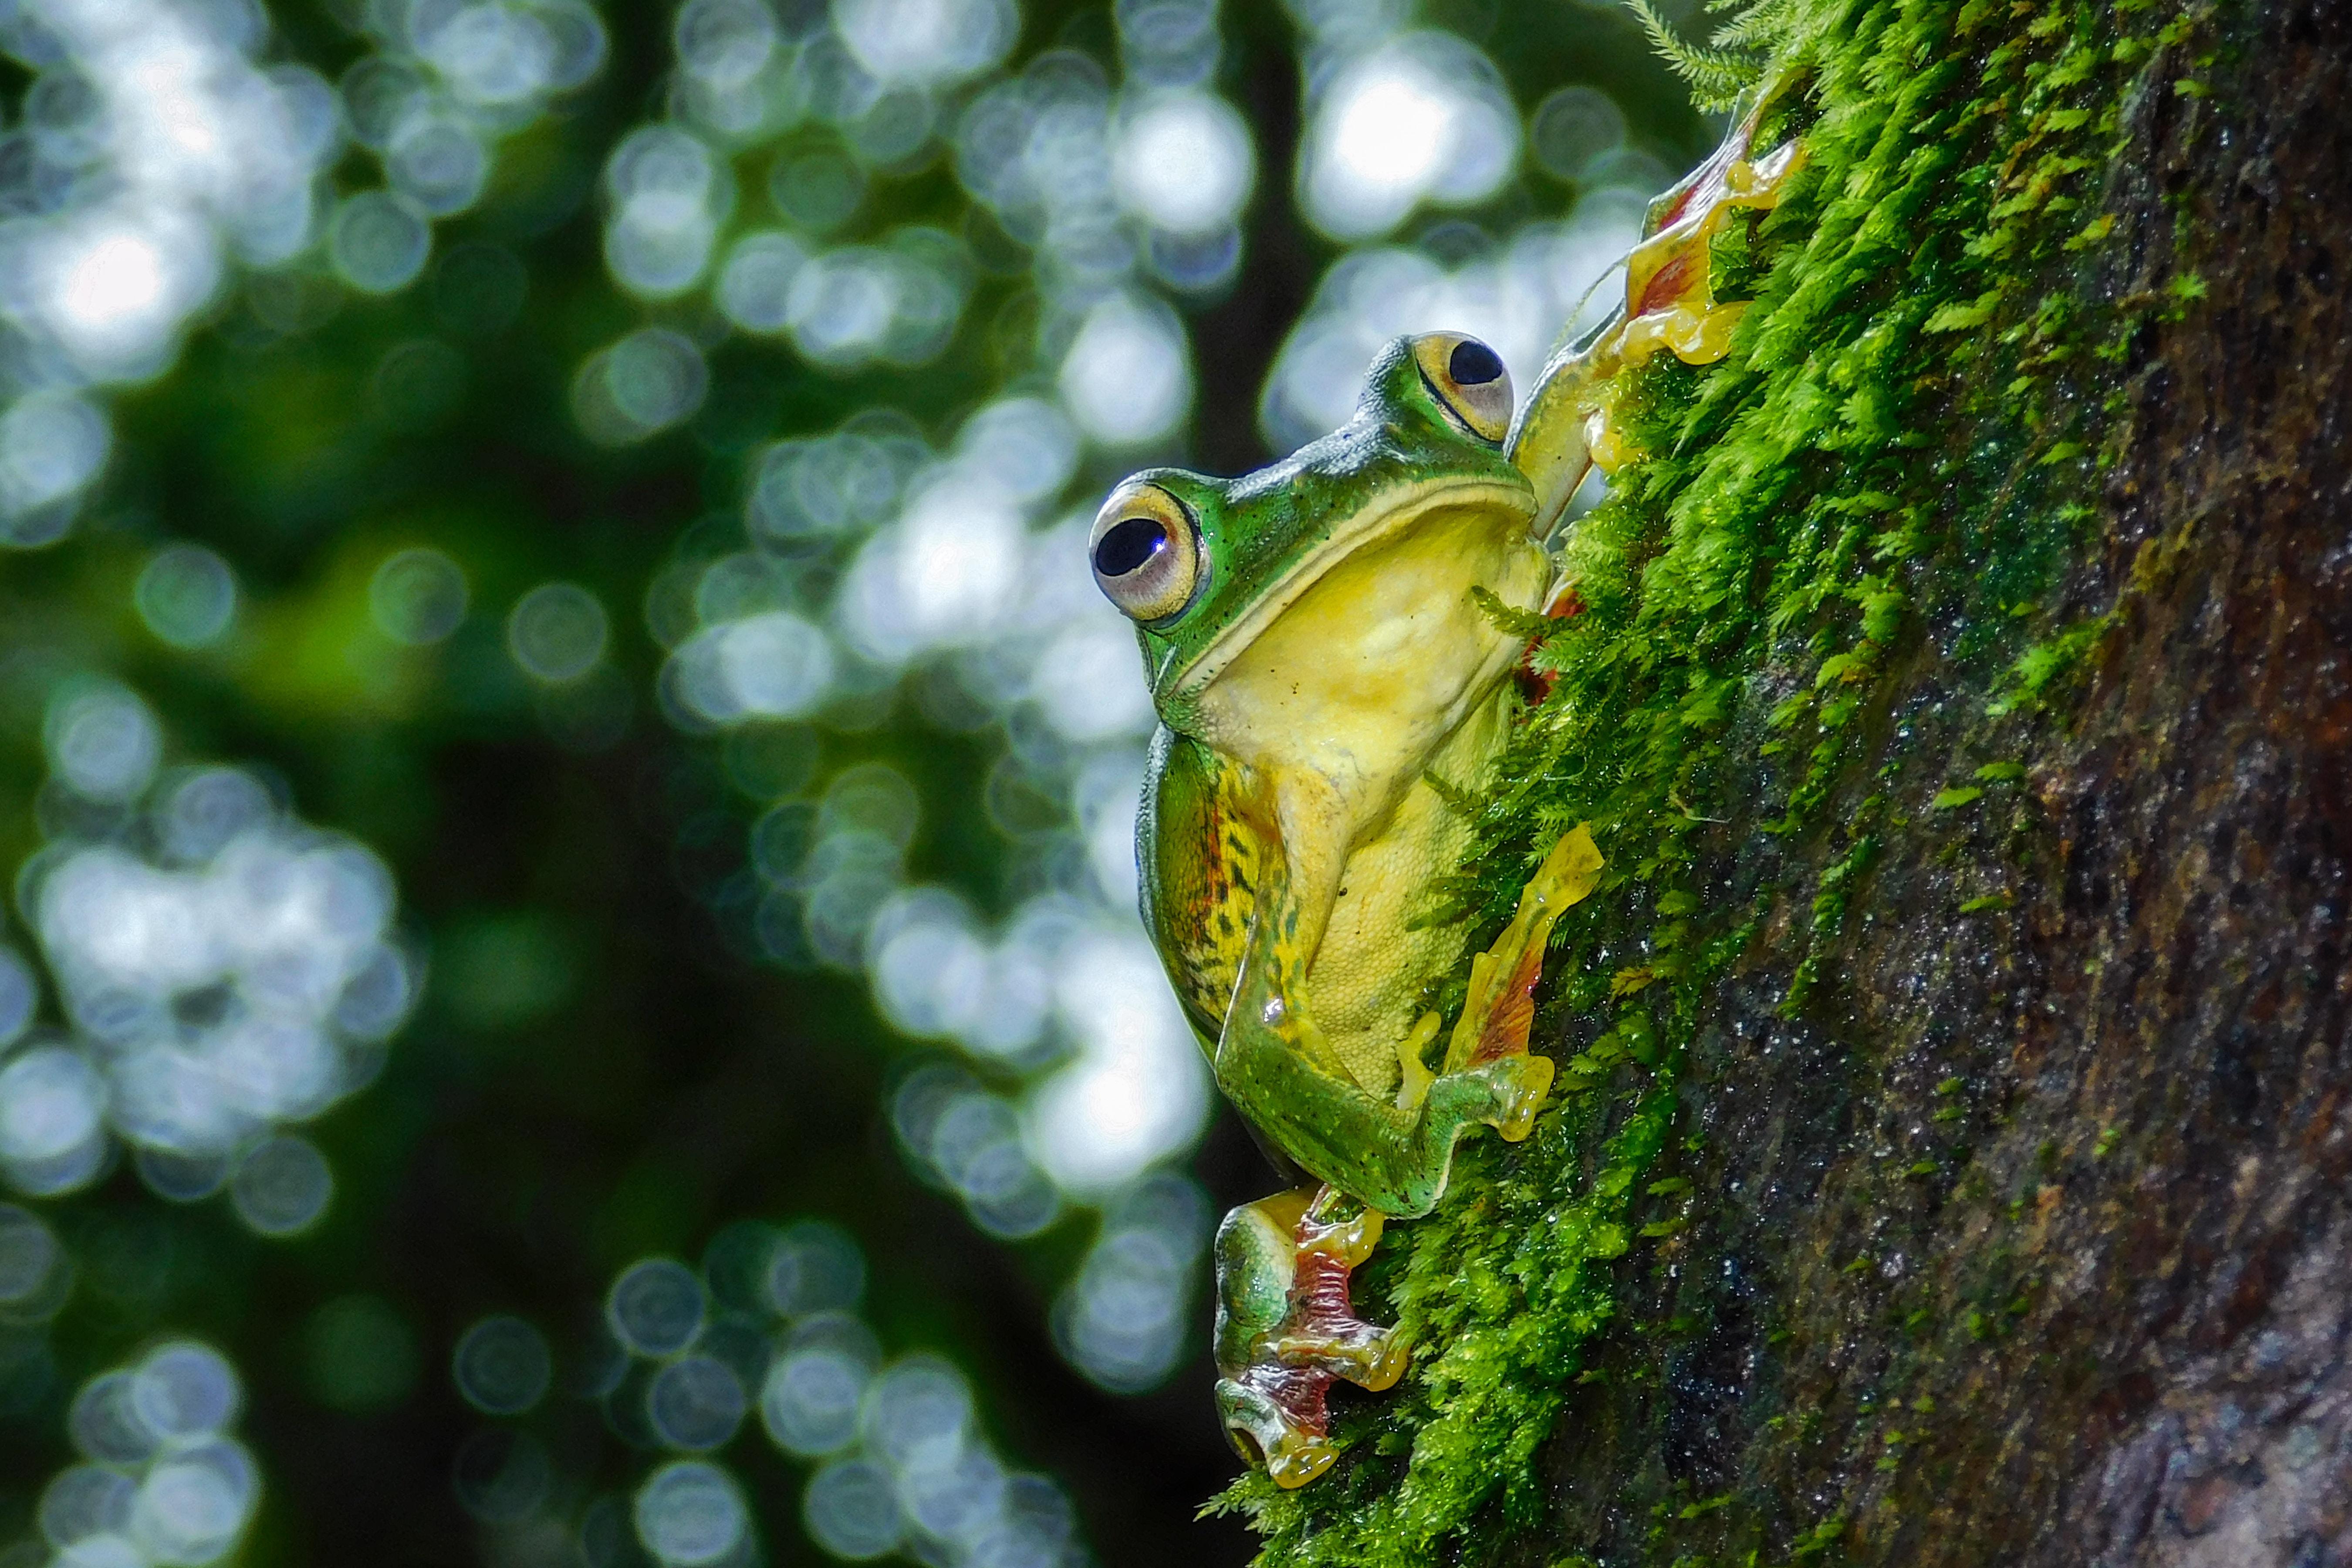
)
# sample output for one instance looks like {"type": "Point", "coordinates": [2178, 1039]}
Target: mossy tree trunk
{"type": "Point", "coordinates": [1952, 1166]}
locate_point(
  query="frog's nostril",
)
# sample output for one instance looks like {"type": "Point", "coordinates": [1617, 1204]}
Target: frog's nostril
{"type": "Point", "coordinates": [1129, 545]}
{"type": "Point", "coordinates": [1473, 363]}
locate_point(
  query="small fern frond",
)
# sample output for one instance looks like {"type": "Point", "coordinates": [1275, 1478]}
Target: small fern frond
{"type": "Point", "coordinates": [1760, 26]}
{"type": "Point", "coordinates": [1717, 77]}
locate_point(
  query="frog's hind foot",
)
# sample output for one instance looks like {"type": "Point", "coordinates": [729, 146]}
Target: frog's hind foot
{"type": "Point", "coordinates": [1321, 1330]}
{"type": "Point", "coordinates": [1286, 1331]}
{"type": "Point", "coordinates": [1276, 1416]}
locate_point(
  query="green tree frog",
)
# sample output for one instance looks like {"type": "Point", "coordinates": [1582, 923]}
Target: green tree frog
{"type": "Point", "coordinates": [1323, 669]}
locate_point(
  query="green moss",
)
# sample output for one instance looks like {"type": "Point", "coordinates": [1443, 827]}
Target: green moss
{"type": "Point", "coordinates": [2046, 664]}
{"type": "Point", "coordinates": [1497, 1335]}
{"type": "Point", "coordinates": [1902, 438]}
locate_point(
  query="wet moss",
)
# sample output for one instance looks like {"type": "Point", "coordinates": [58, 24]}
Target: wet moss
{"type": "Point", "coordinates": [1894, 467]}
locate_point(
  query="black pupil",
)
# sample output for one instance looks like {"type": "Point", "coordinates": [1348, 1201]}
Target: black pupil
{"type": "Point", "coordinates": [1130, 542]}
{"type": "Point", "coordinates": [1473, 363]}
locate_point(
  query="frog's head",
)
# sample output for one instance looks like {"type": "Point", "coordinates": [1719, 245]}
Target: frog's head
{"type": "Point", "coordinates": [1205, 566]}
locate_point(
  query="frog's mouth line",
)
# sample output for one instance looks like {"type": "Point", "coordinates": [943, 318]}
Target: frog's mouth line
{"type": "Point", "coordinates": [1365, 528]}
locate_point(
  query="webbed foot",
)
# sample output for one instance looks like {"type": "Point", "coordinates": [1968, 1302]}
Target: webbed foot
{"type": "Point", "coordinates": [1488, 1051]}
{"type": "Point", "coordinates": [1286, 1332]}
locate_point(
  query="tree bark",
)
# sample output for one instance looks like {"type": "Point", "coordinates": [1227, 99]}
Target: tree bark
{"type": "Point", "coordinates": [2162, 1017]}
{"type": "Point", "coordinates": [2017, 1227]}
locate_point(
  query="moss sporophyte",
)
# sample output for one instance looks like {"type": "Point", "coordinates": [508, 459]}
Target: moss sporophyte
{"type": "Point", "coordinates": [1845, 419]}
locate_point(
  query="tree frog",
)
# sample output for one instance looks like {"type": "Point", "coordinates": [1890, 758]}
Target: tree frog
{"type": "Point", "coordinates": [1326, 679]}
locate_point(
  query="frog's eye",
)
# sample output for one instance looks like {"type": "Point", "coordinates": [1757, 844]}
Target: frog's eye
{"type": "Point", "coordinates": [1469, 378]}
{"type": "Point", "coordinates": [1146, 552]}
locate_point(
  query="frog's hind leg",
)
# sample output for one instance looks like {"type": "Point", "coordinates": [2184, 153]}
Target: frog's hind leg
{"type": "Point", "coordinates": [1286, 1331]}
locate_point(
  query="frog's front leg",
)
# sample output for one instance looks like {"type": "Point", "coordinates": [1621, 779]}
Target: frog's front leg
{"type": "Point", "coordinates": [1286, 1329]}
{"type": "Point", "coordinates": [1394, 1156]}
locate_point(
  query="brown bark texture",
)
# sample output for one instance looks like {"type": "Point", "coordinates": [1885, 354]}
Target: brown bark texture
{"type": "Point", "coordinates": [2110, 1323]}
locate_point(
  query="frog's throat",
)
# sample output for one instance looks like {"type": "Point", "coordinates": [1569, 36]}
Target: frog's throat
{"type": "Point", "coordinates": [1366, 528]}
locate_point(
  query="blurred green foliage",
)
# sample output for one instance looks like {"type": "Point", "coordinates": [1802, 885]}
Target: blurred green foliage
{"type": "Point", "coordinates": [604, 1063]}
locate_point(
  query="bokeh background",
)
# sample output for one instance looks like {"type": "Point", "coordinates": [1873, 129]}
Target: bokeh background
{"type": "Point", "coordinates": [570, 991]}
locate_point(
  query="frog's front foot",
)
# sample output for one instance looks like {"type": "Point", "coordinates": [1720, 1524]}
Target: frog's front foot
{"type": "Point", "coordinates": [1521, 1083]}
{"type": "Point", "coordinates": [1286, 1329]}
{"type": "Point", "coordinates": [1488, 1068]}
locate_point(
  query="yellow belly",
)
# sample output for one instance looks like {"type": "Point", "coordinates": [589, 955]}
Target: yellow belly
{"type": "Point", "coordinates": [1324, 727]}
{"type": "Point", "coordinates": [1366, 984]}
